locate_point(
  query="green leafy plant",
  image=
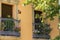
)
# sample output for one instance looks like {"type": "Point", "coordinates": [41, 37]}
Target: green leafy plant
{"type": "Point", "coordinates": [47, 28]}
{"type": "Point", "coordinates": [43, 29]}
{"type": "Point", "coordinates": [57, 38]}
{"type": "Point", "coordinates": [40, 26]}
{"type": "Point", "coordinates": [50, 7]}
{"type": "Point", "coordinates": [9, 25]}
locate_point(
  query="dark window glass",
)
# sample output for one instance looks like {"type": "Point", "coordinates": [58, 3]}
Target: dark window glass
{"type": "Point", "coordinates": [37, 19]}
{"type": "Point", "coordinates": [6, 11]}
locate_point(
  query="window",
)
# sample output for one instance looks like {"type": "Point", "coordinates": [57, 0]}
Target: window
{"type": "Point", "coordinates": [37, 21]}
{"type": "Point", "coordinates": [7, 10]}
{"type": "Point", "coordinates": [8, 25]}
{"type": "Point", "coordinates": [41, 30]}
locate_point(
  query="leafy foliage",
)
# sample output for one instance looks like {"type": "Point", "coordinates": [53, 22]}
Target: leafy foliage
{"type": "Point", "coordinates": [9, 25]}
{"type": "Point", "coordinates": [57, 38]}
{"type": "Point", "coordinates": [50, 7]}
{"type": "Point", "coordinates": [43, 28]}
{"type": "Point", "coordinates": [40, 26]}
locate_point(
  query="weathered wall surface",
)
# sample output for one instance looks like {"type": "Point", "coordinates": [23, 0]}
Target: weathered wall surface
{"type": "Point", "coordinates": [54, 26]}
{"type": "Point", "coordinates": [25, 23]}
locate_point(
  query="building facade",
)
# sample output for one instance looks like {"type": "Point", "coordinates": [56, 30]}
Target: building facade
{"type": "Point", "coordinates": [23, 17]}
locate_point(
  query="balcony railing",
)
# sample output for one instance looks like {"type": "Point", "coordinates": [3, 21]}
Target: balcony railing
{"type": "Point", "coordinates": [41, 31]}
{"type": "Point", "coordinates": [9, 27]}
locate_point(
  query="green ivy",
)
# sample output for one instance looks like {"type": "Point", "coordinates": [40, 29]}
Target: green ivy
{"type": "Point", "coordinates": [50, 7]}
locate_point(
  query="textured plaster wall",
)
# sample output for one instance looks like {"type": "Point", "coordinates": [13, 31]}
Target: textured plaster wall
{"type": "Point", "coordinates": [54, 26]}
{"type": "Point", "coordinates": [25, 23]}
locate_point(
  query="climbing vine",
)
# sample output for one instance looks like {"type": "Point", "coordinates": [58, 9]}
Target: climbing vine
{"type": "Point", "coordinates": [50, 7]}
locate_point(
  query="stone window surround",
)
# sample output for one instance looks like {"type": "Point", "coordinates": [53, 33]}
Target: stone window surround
{"type": "Point", "coordinates": [14, 4]}
{"type": "Point", "coordinates": [11, 1]}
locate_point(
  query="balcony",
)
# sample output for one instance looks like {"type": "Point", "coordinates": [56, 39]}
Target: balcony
{"type": "Point", "coordinates": [9, 27]}
{"type": "Point", "coordinates": [41, 30]}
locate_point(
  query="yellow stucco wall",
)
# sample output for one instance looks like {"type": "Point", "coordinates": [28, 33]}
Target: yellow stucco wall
{"type": "Point", "coordinates": [26, 23]}
{"type": "Point", "coordinates": [54, 27]}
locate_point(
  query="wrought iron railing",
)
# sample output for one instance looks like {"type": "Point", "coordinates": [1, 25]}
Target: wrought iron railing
{"type": "Point", "coordinates": [41, 31]}
{"type": "Point", "coordinates": [9, 27]}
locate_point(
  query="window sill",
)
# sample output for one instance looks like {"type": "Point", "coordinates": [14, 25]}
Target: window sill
{"type": "Point", "coordinates": [44, 36]}
{"type": "Point", "coordinates": [9, 33]}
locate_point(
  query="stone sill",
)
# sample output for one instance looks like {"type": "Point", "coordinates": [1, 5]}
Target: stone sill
{"type": "Point", "coordinates": [9, 33]}
{"type": "Point", "coordinates": [41, 36]}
